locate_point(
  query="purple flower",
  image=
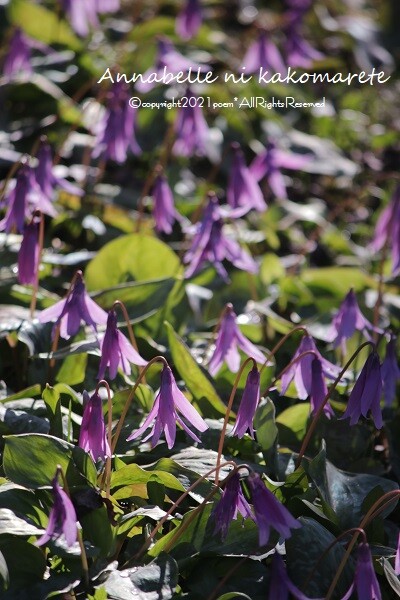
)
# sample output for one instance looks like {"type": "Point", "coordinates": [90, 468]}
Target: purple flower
{"type": "Point", "coordinates": [301, 372]}
{"type": "Point", "coordinates": [45, 176]}
{"type": "Point", "coordinates": [268, 164]}
{"type": "Point", "coordinates": [168, 403]}
{"type": "Point", "coordinates": [22, 199]}
{"type": "Point", "coordinates": [390, 371]}
{"type": "Point", "coordinates": [366, 393]}
{"type": "Point", "coordinates": [280, 584]}
{"type": "Point", "coordinates": [62, 519]}
{"type": "Point", "coordinates": [28, 255]}
{"type": "Point", "coordinates": [263, 54]}
{"type": "Point", "coordinates": [210, 244]}
{"type": "Point", "coordinates": [319, 389]}
{"type": "Point", "coordinates": [387, 231]}
{"type": "Point", "coordinates": [248, 405]}
{"type": "Point", "coordinates": [191, 130]}
{"type": "Point", "coordinates": [243, 189]}
{"type": "Point", "coordinates": [116, 350]}
{"type": "Point", "coordinates": [348, 318]}
{"type": "Point", "coordinates": [269, 512]}
{"type": "Point", "coordinates": [299, 53]}
{"type": "Point", "coordinates": [164, 211]}
{"type": "Point", "coordinates": [189, 19]}
{"type": "Point", "coordinates": [397, 558]}
{"type": "Point", "coordinates": [107, 6]}
{"type": "Point", "coordinates": [227, 508]}
{"type": "Point", "coordinates": [116, 131]}
{"type": "Point", "coordinates": [169, 61]}
{"type": "Point", "coordinates": [18, 58]}
{"type": "Point", "coordinates": [76, 307]}
{"type": "Point", "coordinates": [226, 346]}
{"type": "Point", "coordinates": [92, 435]}
{"type": "Point", "coordinates": [365, 582]}
{"type": "Point", "coordinates": [82, 15]}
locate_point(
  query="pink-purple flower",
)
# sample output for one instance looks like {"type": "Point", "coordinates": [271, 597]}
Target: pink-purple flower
{"type": "Point", "coordinates": [243, 189]}
{"type": "Point", "coordinates": [116, 130]}
{"type": "Point", "coordinates": [28, 255]}
{"type": "Point", "coordinates": [248, 405]}
{"type": "Point", "coordinates": [232, 501]}
{"type": "Point", "coordinates": [92, 434]}
{"type": "Point", "coordinates": [319, 390]}
{"type": "Point", "coordinates": [390, 371]}
{"type": "Point", "coordinates": [116, 351]}
{"type": "Point", "coordinates": [347, 320]}
{"type": "Point", "coordinates": [263, 54]}
{"type": "Point", "coordinates": [229, 339]}
{"type": "Point", "coordinates": [268, 511]}
{"type": "Point", "coordinates": [211, 244]}
{"type": "Point", "coordinates": [170, 405]}
{"type": "Point", "coordinates": [189, 19]}
{"type": "Point", "coordinates": [76, 307]}
{"type": "Point", "coordinates": [18, 58]}
{"type": "Point", "coordinates": [281, 586]}
{"type": "Point", "coordinates": [365, 583]}
{"type": "Point", "coordinates": [299, 53]}
{"type": "Point", "coordinates": [387, 231]}
{"type": "Point", "coordinates": [62, 519]}
{"type": "Point", "coordinates": [191, 130]}
{"type": "Point", "coordinates": [45, 175]}
{"type": "Point", "coordinates": [164, 211]}
{"type": "Point", "coordinates": [82, 15]}
{"type": "Point", "coordinates": [366, 393]}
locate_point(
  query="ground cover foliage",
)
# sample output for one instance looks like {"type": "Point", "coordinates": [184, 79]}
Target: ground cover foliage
{"type": "Point", "coordinates": [198, 304]}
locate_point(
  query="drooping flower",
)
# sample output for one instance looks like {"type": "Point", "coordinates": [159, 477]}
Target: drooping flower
{"type": "Point", "coordinates": [211, 244]}
{"type": "Point", "coordinates": [232, 501]}
{"type": "Point", "coordinates": [164, 211]}
{"type": "Point", "coordinates": [268, 511]}
{"type": "Point", "coordinates": [168, 61]}
{"type": "Point", "coordinates": [45, 175]}
{"type": "Point", "coordinates": [298, 52]}
{"type": "Point", "coordinates": [366, 393]}
{"type": "Point", "coordinates": [390, 371]}
{"type": "Point", "coordinates": [347, 320]}
{"type": "Point", "coordinates": [62, 519]}
{"type": "Point", "coordinates": [170, 405]}
{"type": "Point", "coordinates": [76, 307]}
{"type": "Point", "coordinates": [116, 351]}
{"type": "Point", "coordinates": [23, 199]}
{"type": "Point", "coordinates": [115, 133]}
{"type": "Point", "coordinates": [82, 15]}
{"type": "Point", "coordinates": [92, 434]}
{"type": "Point", "coordinates": [191, 130]}
{"type": "Point", "coordinates": [387, 231]}
{"type": "Point", "coordinates": [301, 372]}
{"type": "Point", "coordinates": [397, 558]}
{"type": "Point", "coordinates": [228, 340]}
{"type": "Point", "coordinates": [18, 58]}
{"type": "Point", "coordinates": [189, 19]}
{"type": "Point", "coordinates": [319, 389]}
{"type": "Point", "coordinates": [243, 189]}
{"type": "Point", "coordinates": [28, 255]}
{"type": "Point", "coordinates": [280, 584]}
{"type": "Point", "coordinates": [263, 54]}
{"type": "Point", "coordinates": [365, 582]}
{"type": "Point", "coordinates": [269, 164]}
{"type": "Point", "coordinates": [107, 6]}
{"type": "Point", "coordinates": [248, 405]}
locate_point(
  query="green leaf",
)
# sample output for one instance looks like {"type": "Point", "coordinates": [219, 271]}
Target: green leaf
{"type": "Point", "coordinates": [25, 562]}
{"type": "Point", "coordinates": [320, 280]}
{"type": "Point", "coordinates": [4, 574]}
{"type": "Point", "coordinates": [98, 530]}
{"type": "Point", "coordinates": [31, 460]}
{"type": "Point", "coordinates": [51, 398]}
{"type": "Point", "coordinates": [156, 581]}
{"type": "Point", "coordinates": [267, 431]}
{"type": "Point", "coordinates": [13, 525]}
{"type": "Point", "coordinates": [194, 376]}
{"type": "Point", "coordinates": [42, 24]}
{"type": "Point", "coordinates": [390, 575]}
{"type": "Point", "coordinates": [126, 480]}
{"type": "Point", "coordinates": [292, 424]}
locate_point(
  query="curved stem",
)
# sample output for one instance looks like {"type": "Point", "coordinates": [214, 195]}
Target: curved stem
{"type": "Point", "coordinates": [320, 410]}
{"type": "Point", "coordinates": [281, 342]}
{"type": "Point", "coordinates": [130, 398]}
{"type": "Point", "coordinates": [288, 366]}
{"type": "Point", "coordinates": [225, 578]}
{"type": "Point", "coordinates": [130, 328]}
{"type": "Point", "coordinates": [227, 414]}
{"type": "Point", "coordinates": [107, 471]}
{"type": "Point", "coordinates": [176, 504]}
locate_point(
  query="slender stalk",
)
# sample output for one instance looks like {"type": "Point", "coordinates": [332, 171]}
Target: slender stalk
{"type": "Point", "coordinates": [130, 398]}
{"type": "Point", "coordinates": [176, 504]}
{"type": "Point", "coordinates": [227, 415]}
{"type": "Point", "coordinates": [227, 576]}
{"type": "Point", "coordinates": [281, 342]}
{"type": "Point", "coordinates": [130, 328]}
{"type": "Point", "coordinates": [40, 251]}
{"type": "Point", "coordinates": [107, 471]}
{"type": "Point", "coordinates": [325, 400]}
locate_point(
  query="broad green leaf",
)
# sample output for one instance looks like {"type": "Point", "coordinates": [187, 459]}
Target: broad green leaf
{"type": "Point", "coordinates": [51, 397]}
{"type": "Point", "coordinates": [321, 280]}
{"type": "Point", "coordinates": [126, 479]}
{"type": "Point", "coordinates": [267, 431]}
{"type": "Point", "coordinates": [194, 376]}
{"type": "Point", "coordinates": [292, 424]}
{"type": "Point", "coordinates": [13, 525]}
{"type": "Point", "coordinates": [31, 460]}
{"type": "Point", "coordinates": [31, 391]}
{"type": "Point", "coordinates": [25, 562]}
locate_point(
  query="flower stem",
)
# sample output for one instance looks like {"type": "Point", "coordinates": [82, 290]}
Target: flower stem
{"type": "Point", "coordinates": [36, 284]}
{"type": "Point", "coordinates": [130, 329]}
{"type": "Point", "coordinates": [325, 400]}
{"type": "Point", "coordinates": [288, 366]}
{"type": "Point", "coordinates": [281, 342]}
{"type": "Point", "coordinates": [227, 414]}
